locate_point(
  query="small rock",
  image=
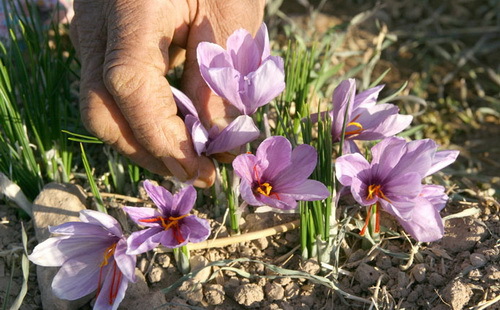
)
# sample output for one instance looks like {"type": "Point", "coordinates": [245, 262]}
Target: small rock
{"type": "Point", "coordinates": [310, 266]}
{"type": "Point", "coordinates": [156, 274]}
{"type": "Point", "coordinates": [231, 285]}
{"type": "Point", "coordinates": [283, 281]}
{"type": "Point", "coordinates": [477, 260]}
{"type": "Point", "coordinates": [199, 262]}
{"type": "Point", "coordinates": [384, 261]}
{"type": "Point", "coordinates": [274, 291]}
{"type": "Point", "coordinates": [366, 275]}
{"type": "Point", "coordinates": [163, 260]}
{"type": "Point", "coordinates": [292, 290]}
{"type": "Point", "coordinates": [214, 294]}
{"type": "Point", "coordinates": [139, 296]}
{"type": "Point", "coordinates": [418, 272]}
{"type": "Point", "coordinates": [56, 204]}
{"type": "Point", "coordinates": [436, 279]}
{"type": "Point", "coordinates": [261, 243]}
{"type": "Point", "coordinates": [192, 291]}
{"type": "Point", "coordinates": [249, 294]}
{"type": "Point", "coordinates": [457, 294]}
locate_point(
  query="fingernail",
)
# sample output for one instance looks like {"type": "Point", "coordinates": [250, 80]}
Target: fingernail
{"type": "Point", "coordinates": [175, 168]}
{"type": "Point", "coordinates": [200, 183]}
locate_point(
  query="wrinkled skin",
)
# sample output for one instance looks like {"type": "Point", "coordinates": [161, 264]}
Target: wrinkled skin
{"type": "Point", "coordinates": [126, 47]}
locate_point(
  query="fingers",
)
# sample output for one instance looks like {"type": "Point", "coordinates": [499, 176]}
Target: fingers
{"type": "Point", "coordinates": [215, 21]}
{"type": "Point", "coordinates": [125, 99]}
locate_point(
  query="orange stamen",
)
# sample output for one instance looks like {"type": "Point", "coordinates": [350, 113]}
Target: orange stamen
{"type": "Point", "coordinates": [356, 124]}
{"type": "Point", "coordinates": [169, 223]}
{"type": "Point", "coordinates": [108, 253]}
{"type": "Point", "coordinates": [264, 188]}
{"type": "Point", "coordinates": [376, 190]}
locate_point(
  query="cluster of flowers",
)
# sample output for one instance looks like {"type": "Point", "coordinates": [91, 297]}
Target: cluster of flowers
{"type": "Point", "coordinates": [247, 76]}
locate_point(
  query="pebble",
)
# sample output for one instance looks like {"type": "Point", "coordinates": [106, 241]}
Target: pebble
{"type": "Point", "coordinates": [477, 260]}
{"type": "Point", "coordinates": [274, 291]}
{"type": "Point", "coordinates": [310, 266]}
{"type": "Point", "coordinates": [214, 294]}
{"type": "Point", "coordinates": [163, 260]}
{"type": "Point", "coordinates": [366, 275]}
{"type": "Point", "coordinates": [156, 274]}
{"type": "Point", "coordinates": [436, 279]}
{"type": "Point", "coordinates": [384, 262]}
{"type": "Point", "coordinates": [192, 291]}
{"type": "Point", "coordinates": [418, 272]}
{"type": "Point", "coordinates": [249, 295]}
{"type": "Point", "coordinates": [292, 290]}
{"type": "Point", "coordinates": [261, 243]}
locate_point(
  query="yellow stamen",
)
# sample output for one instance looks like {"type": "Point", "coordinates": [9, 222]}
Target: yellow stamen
{"type": "Point", "coordinates": [355, 131]}
{"type": "Point", "coordinates": [264, 189]}
{"type": "Point", "coordinates": [376, 190]}
{"type": "Point", "coordinates": [107, 254]}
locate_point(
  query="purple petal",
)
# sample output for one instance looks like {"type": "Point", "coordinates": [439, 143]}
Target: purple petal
{"type": "Point", "coordinates": [244, 166]}
{"type": "Point", "coordinates": [382, 121]}
{"type": "Point", "coordinates": [263, 85]}
{"type": "Point", "coordinates": [343, 98]}
{"type": "Point", "coordinates": [143, 240]}
{"type": "Point", "coordinates": [386, 155]}
{"type": "Point", "coordinates": [199, 134]}
{"type": "Point", "coordinates": [359, 190]}
{"type": "Point", "coordinates": [168, 238]}
{"type": "Point", "coordinates": [159, 195]}
{"type": "Point", "coordinates": [309, 190]}
{"type": "Point", "coordinates": [80, 229]}
{"type": "Point", "coordinates": [283, 202]}
{"type": "Point", "coordinates": [247, 194]}
{"type": "Point", "coordinates": [77, 277]}
{"type": "Point", "coordinates": [125, 262]}
{"type": "Point", "coordinates": [262, 41]}
{"type": "Point", "coordinates": [137, 214]}
{"type": "Point", "coordinates": [183, 201]}
{"type": "Point", "coordinates": [367, 98]}
{"type": "Point", "coordinates": [239, 132]}
{"type": "Point", "coordinates": [101, 219]}
{"type": "Point", "coordinates": [303, 162]}
{"type": "Point", "coordinates": [225, 83]}
{"type": "Point", "coordinates": [274, 154]}
{"type": "Point", "coordinates": [401, 189]}
{"type": "Point", "coordinates": [418, 157]}
{"type": "Point", "coordinates": [112, 290]}
{"type": "Point", "coordinates": [436, 195]}
{"type": "Point", "coordinates": [211, 55]}
{"type": "Point", "coordinates": [351, 166]}
{"type": "Point", "coordinates": [442, 159]}
{"type": "Point", "coordinates": [244, 52]}
{"type": "Point", "coordinates": [199, 228]}
{"type": "Point", "coordinates": [425, 224]}
{"type": "Point", "coordinates": [184, 104]}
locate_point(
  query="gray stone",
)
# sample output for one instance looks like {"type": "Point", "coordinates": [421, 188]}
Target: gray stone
{"type": "Point", "coordinates": [418, 272]}
{"type": "Point", "coordinates": [214, 294]}
{"type": "Point", "coordinates": [139, 296]}
{"type": "Point", "coordinates": [477, 260]}
{"type": "Point", "coordinates": [249, 294]}
{"type": "Point", "coordinates": [56, 204]}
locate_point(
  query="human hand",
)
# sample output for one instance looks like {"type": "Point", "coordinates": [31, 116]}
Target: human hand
{"type": "Point", "coordinates": [126, 47]}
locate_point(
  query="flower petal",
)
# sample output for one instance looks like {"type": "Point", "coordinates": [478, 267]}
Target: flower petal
{"type": "Point", "coordinates": [137, 214]}
{"type": "Point", "coordinates": [184, 104]}
{"type": "Point", "coordinates": [199, 134]}
{"type": "Point", "coordinates": [442, 159]}
{"type": "Point", "coordinates": [112, 290]}
{"type": "Point", "coordinates": [367, 98]}
{"type": "Point", "coordinates": [247, 194]}
{"type": "Point", "coordinates": [352, 166]}
{"type": "Point", "coordinates": [77, 277]}
{"type": "Point", "coordinates": [103, 220]}
{"type": "Point", "coordinates": [263, 85]}
{"type": "Point", "coordinates": [283, 202]}
{"type": "Point", "coordinates": [168, 238]}
{"type": "Point", "coordinates": [225, 82]}
{"type": "Point", "coordinates": [239, 132]}
{"type": "Point", "coordinates": [436, 195]}
{"type": "Point", "coordinates": [274, 154]}
{"type": "Point", "coordinates": [125, 262]}
{"type": "Point", "coordinates": [386, 155]}
{"type": "Point", "coordinates": [309, 190]}
{"type": "Point", "coordinates": [211, 55]}
{"type": "Point", "coordinates": [262, 41]}
{"type": "Point", "coordinates": [159, 195]}
{"type": "Point", "coordinates": [343, 98]}
{"type": "Point", "coordinates": [425, 224]}
{"type": "Point", "coordinates": [183, 201]}
{"type": "Point", "coordinates": [143, 240]}
{"type": "Point", "coordinates": [244, 52]}
{"type": "Point", "coordinates": [244, 166]}
{"type": "Point", "coordinates": [199, 228]}
{"type": "Point", "coordinates": [303, 161]}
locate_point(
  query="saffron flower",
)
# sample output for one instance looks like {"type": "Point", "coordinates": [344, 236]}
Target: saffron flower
{"type": "Point", "coordinates": [364, 118]}
{"type": "Point", "coordinates": [277, 176]}
{"type": "Point", "coordinates": [92, 256]}
{"type": "Point", "coordinates": [239, 132]}
{"type": "Point", "coordinates": [393, 181]}
{"type": "Point", "coordinates": [170, 225]}
{"type": "Point", "coordinates": [245, 74]}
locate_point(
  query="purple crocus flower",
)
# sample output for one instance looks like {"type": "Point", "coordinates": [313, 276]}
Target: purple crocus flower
{"type": "Point", "coordinates": [239, 132]}
{"type": "Point", "coordinates": [245, 74]}
{"type": "Point", "coordinates": [92, 256]}
{"type": "Point", "coordinates": [366, 120]}
{"type": "Point", "coordinates": [277, 176]}
{"type": "Point", "coordinates": [393, 181]}
{"type": "Point", "coordinates": [170, 224]}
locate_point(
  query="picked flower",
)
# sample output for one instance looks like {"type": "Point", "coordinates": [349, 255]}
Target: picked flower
{"type": "Point", "coordinates": [239, 132]}
{"type": "Point", "coordinates": [365, 119]}
{"type": "Point", "coordinates": [170, 225]}
{"type": "Point", "coordinates": [277, 176]}
{"type": "Point", "coordinates": [393, 181]}
{"type": "Point", "coordinates": [92, 256]}
{"type": "Point", "coordinates": [245, 74]}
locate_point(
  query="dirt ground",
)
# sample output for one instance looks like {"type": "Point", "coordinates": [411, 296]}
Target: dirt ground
{"type": "Point", "coordinates": [461, 271]}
